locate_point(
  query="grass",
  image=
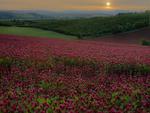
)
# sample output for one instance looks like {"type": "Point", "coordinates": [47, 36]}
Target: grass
{"type": "Point", "coordinates": [34, 32]}
{"type": "Point", "coordinates": [92, 67]}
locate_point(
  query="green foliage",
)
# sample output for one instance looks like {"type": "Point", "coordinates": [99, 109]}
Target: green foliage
{"type": "Point", "coordinates": [79, 36]}
{"type": "Point", "coordinates": [47, 85]}
{"type": "Point", "coordinates": [120, 99]}
{"type": "Point", "coordinates": [145, 43]}
{"type": "Point", "coordinates": [44, 85]}
{"type": "Point", "coordinates": [144, 69]}
{"type": "Point", "coordinates": [101, 94]}
{"type": "Point", "coordinates": [48, 64]}
{"type": "Point", "coordinates": [127, 69]}
{"type": "Point", "coordinates": [98, 26]}
{"type": "Point", "coordinates": [6, 62]}
{"type": "Point", "coordinates": [59, 64]}
{"type": "Point", "coordinates": [113, 96]}
{"type": "Point", "coordinates": [41, 100]}
{"type": "Point", "coordinates": [48, 100]}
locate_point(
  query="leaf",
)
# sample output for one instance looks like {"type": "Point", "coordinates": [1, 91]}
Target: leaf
{"type": "Point", "coordinates": [49, 110]}
{"type": "Point", "coordinates": [41, 100]}
{"type": "Point", "coordinates": [101, 94]}
{"type": "Point", "coordinates": [127, 99]}
{"type": "Point", "coordinates": [114, 94]}
{"type": "Point", "coordinates": [49, 101]}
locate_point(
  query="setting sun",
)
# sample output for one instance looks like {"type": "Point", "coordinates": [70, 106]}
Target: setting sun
{"type": "Point", "coordinates": [108, 4]}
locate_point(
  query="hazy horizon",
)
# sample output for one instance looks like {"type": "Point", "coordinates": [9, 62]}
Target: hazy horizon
{"type": "Point", "coordinates": [63, 5]}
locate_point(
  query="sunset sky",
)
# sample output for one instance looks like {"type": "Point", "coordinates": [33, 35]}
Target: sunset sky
{"type": "Point", "coordinates": [60, 5]}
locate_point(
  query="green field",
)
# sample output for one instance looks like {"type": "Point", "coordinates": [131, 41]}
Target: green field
{"type": "Point", "coordinates": [35, 32]}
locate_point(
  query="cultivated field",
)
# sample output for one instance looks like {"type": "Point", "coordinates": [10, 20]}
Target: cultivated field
{"type": "Point", "coordinates": [68, 76]}
{"type": "Point", "coordinates": [34, 32]}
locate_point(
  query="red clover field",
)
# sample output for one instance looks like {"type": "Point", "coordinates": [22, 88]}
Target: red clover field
{"type": "Point", "coordinates": [40, 75]}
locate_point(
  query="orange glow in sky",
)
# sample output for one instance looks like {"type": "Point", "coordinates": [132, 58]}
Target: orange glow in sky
{"type": "Point", "coordinates": [59, 5]}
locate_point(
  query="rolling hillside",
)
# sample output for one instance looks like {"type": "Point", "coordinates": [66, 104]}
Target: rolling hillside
{"type": "Point", "coordinates": [88, 27]}
{"type": "Point", "coordinates": [134, 37]}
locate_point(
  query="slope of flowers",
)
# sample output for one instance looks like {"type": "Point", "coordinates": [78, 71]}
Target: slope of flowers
{"type": "Point", "coordinates": [64, 76]}
{"type": "Point", "coordinates": [43, 48]}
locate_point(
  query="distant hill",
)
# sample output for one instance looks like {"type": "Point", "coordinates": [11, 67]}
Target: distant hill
{"type": "Point", "coordinates": [34, 15]}
{"type": "Point", "coordinates": [21, 15]}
